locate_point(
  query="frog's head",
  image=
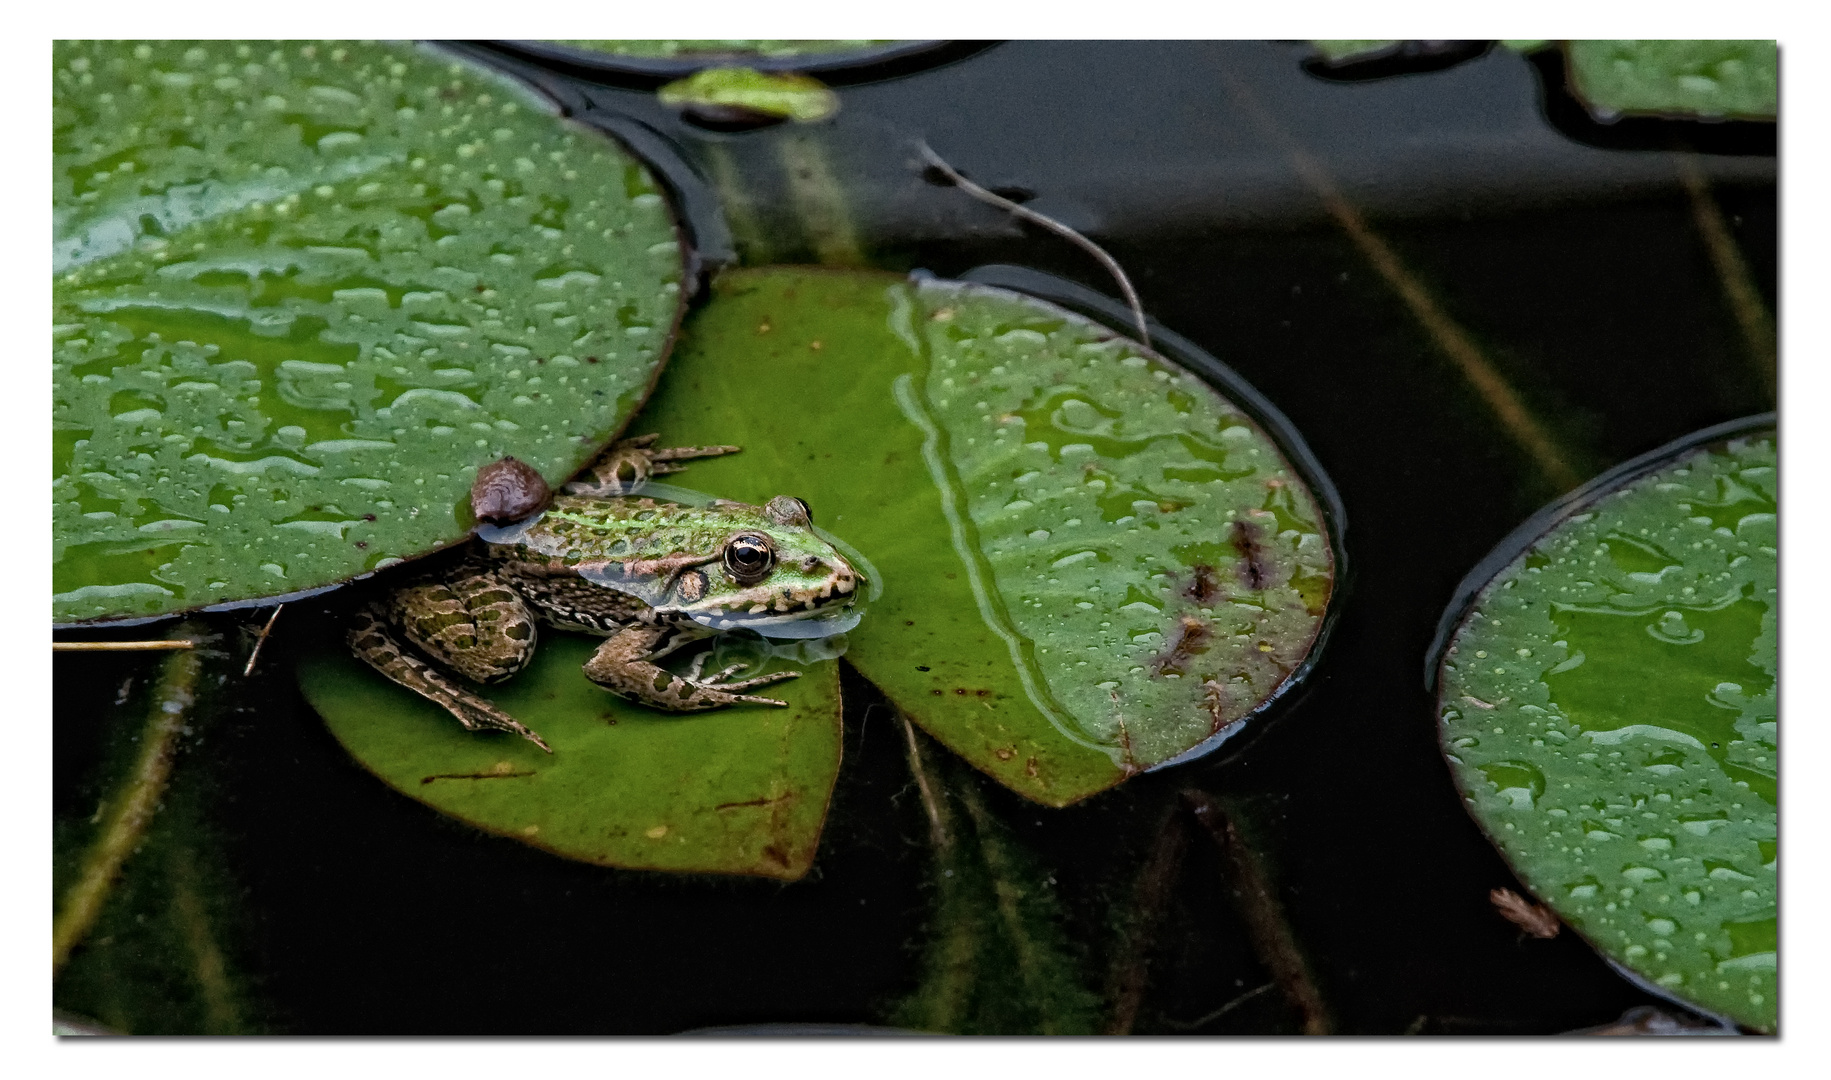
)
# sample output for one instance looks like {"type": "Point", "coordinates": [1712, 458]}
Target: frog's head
{"type": "Point", "coordinates": [775, 575]}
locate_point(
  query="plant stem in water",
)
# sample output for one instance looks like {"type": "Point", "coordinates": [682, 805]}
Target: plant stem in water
{"type": "Point", "coordinates": [1264, 915]}
{"type": "Point", "coordinates": [134, 805]}
{"type": "Point", "coordinates": [1450, 338]}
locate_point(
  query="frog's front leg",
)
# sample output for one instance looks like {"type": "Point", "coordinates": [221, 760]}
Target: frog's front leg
{"type": "Point", "coordinates": [624, 666]}
{"type": "Point", "coordinates": [372, 641]}
{"type": "Point", "coordinates": [629, 463]}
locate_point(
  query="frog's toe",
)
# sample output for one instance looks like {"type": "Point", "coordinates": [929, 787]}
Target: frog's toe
{"type": "Point", "coordinates": [760, 680]}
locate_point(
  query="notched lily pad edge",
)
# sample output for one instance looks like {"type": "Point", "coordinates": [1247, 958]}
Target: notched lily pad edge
{"type": "Point", "coordinates": [1168, 345]}
{"type": "Point", "coordinates": [1511, 547]}
{"type": "Point", "coordinates": [690, 221]}
{"type": "Point", "coordinates": [1528, 532]}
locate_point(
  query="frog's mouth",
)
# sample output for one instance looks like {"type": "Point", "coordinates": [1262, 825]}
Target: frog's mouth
{"type": "Point", "coordinates": [786, 626]}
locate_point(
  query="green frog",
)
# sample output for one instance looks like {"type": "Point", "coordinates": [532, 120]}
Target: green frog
{"type": "Point", "coordinates": [649, 575]}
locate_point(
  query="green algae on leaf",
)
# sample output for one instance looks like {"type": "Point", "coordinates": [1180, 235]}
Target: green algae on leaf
{"type": "Point", "coordinates": [1091, 561]}
{"type": "Point", "coordinates": [301, 292]}
{"type": "Point", "coordinates": [1713, 79]}
{"type": "Point", "coordinates": [1608, 707]}
{"type": "Point", "coordinates": [741, 790]}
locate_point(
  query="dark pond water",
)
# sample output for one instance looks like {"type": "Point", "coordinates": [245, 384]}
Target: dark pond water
{"type": "Point", "coordinates": [1572, 259]}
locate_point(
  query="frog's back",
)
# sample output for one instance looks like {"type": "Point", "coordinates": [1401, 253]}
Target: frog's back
{"type": "Point", "coordinates": [578, 529]}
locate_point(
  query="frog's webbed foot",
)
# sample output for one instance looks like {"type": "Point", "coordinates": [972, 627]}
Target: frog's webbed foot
{"type": "Point", "coordinates": [624, 665]}
{"type": "Point", "coordinates": [718, 681]}
{"type": "Point", "coordinates": [374, 644]}
{"type": "Point", "coordinates": [630, 463]}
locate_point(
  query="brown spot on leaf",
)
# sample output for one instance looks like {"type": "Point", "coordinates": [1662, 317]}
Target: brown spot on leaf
{"type": "Point", "coordinates": [1204, 586]}
{"type": "Point", "coordinates": [1255, 562]}
{"type": "Point", "coordinates": [507, 490]}
{"type": "Point", "coordinates": [1030, 767]}
{"type": "Point", "coordinates": [1192, 637]}
{"type": "Point", "coordinates": [1005, 753]}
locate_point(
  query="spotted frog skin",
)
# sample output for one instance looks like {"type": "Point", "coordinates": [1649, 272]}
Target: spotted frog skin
{"type": "Point", "coordinates": [647, 575]}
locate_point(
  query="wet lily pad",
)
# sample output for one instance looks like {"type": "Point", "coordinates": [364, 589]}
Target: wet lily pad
{"type": "Point", "coordinates": [1716, 79]}
{"type": "Point", "coordinates": [1090, 561]}
{"type": "Point", "coordinates": [301, 292]}
{"type": "Point", "coordinates": [1607, 706]}
{"type": "Point", "coordinates": [741, 790]}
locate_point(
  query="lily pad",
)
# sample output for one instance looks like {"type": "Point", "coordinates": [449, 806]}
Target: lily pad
{"type": "Point", "coordinates": [1716, 79]}
{"type": "Point", "coordinates": [788, 95]}
{"type": "Point", "coordinates": [722, 49]}
{"type": "Point", "coordinates": [301, 292]}
{"type": "Point", "coordinates": [741, 790]}
{"type": "Point", "coordinates": [1090, 561]}
{"type": "Point", "coordinates": [1608, 708]}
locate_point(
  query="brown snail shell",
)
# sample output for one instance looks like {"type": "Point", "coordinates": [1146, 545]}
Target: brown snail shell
{"type": "Point", "coordinates": [508, 490]}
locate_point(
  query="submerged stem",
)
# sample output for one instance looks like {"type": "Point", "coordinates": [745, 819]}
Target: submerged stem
{"type": "Point", "coordinates": [1454, 342]}
{"type": "Point", "coordinates": [1130, 971]}
{"type": "Point", "coordinates": [134, 804]}
{"type": "Point", "coordinates": [1732, 270]}
{"type": "Point", "coordinates": [1272, 937]}
{"type": "Point", "coordinates": [937, 816]}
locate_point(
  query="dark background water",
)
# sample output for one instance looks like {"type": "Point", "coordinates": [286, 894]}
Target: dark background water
{"type": "Point", "coordinates": [1571, 257]}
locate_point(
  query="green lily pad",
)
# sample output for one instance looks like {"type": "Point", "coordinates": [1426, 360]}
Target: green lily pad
{"type": "Point", "coordinates": [785, 94]}
{"type": "Point", "coordinates": [1714, 79]}
{"type": "Point", "coordinates": [741, 790]}
{"type": "Point", "coordinates": [1090, 561]}
{"type": "Point", "coordinates": [301, 292]}
{"type": "Point", "coordinates": [1608, 710]}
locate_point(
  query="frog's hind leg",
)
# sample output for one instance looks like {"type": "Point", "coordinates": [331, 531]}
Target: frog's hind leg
{"type": "Point", "coordinates": [471, 623]}
{"type": "Point", "coordinates": [374, 644]}
{"type": "Point", "coordinates": [624, 666]}
{"type": "Point", "coordinates": [629, 463]}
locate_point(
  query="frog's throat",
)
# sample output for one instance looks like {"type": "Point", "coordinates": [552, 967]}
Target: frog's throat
{"type": "Point", "coordinates": [786, 626]}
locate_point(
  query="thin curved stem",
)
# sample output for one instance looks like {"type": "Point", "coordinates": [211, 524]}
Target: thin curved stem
{"type": "Point", "coordinates": [1112, 265]}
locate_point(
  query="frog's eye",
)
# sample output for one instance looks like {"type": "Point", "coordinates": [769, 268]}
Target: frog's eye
{"type": "Point", "coordinates": [748, 558]}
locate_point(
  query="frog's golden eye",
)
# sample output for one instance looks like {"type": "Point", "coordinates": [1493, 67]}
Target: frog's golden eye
{"type": "Point", "coordinates": [748, 558]}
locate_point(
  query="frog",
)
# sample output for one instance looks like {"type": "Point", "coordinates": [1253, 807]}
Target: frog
{"type": "Point", "coordinates": [649, 575]}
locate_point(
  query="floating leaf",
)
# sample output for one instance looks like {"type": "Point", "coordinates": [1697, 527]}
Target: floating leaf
{"type": "Point", "coordinates": [721, 48]}
{"type": "Point", "coordinates": [741, 790]}
{"type": "Point", "coordinates": [781, 94]}
{"type": "Point", "coordinates": [302, 292]}
{"type": "Point", "coordinates": [1337, 51]}
{"type": "Point", "coordinates": [1677, 78]}
{"type": "Point", "coordinates": [1608, 709]}
{"type": "Point", "coordinates": [1091, 562]}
